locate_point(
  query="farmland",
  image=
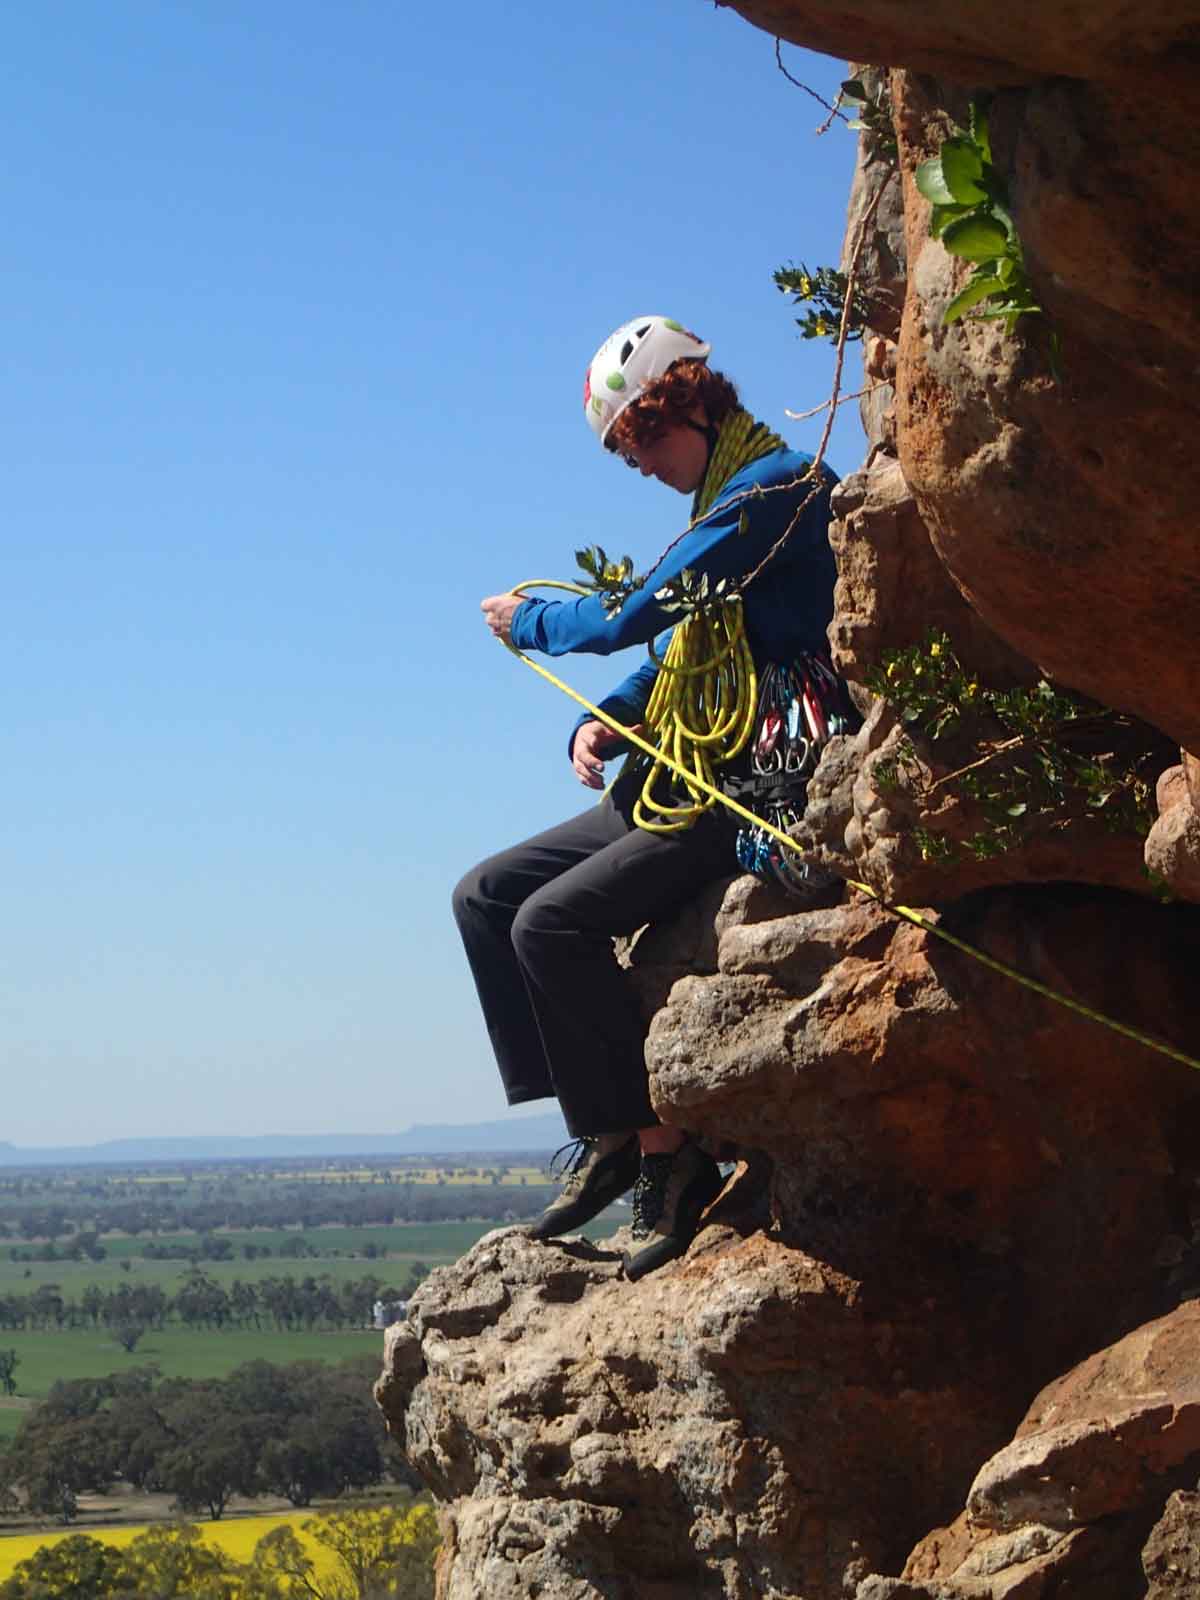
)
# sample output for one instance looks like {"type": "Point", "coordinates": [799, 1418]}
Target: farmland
{"type": "Point", "coordinates": [366, 1548]}
{"type": "Point", "coordinates": [236, 1538]}
{"type": "Point", "coordinates": [47, 1358]}
{"type": "Point", "coordinates": [81, 1297]}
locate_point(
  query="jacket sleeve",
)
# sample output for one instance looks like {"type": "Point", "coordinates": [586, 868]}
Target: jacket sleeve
{"type": "Point", "coordinates": [717, 546]}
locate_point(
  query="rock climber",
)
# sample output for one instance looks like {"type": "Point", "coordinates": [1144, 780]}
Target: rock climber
{"type": "Point", "coordinates": [538, 920]}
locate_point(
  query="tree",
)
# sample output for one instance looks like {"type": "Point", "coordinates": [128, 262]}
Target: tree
{"type": "Point", "coordinates": [381, 1550]}
{"type": "Point", "coordinates": [202, 1301]}
{"type": "Point", "coordinates": [176, 1564]}
{"type": "Point", "coordinates": [46, 1303]}
{"type": "Point", "coordinates": [128, 1334]}
{"type": "Point", "coordinates": [382, 1553]}
{"type": "Point", "coordinates": [218, 1459]}
{"type": "Point", "coordinates": [138, 1434]}
{"type": "Point", "coordinates": [76, 1568]}
{"type": "Point", "coordinates": [297, 1465]}
{"type": "Point", "coordinates": [60, 1464]}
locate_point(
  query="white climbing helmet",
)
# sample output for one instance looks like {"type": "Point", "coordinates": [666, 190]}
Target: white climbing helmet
{"type": "Point", "coordinates": [629, 361]}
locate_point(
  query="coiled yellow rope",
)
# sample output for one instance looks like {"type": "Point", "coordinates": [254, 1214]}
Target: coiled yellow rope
{"type": "Point", "coordinates": [700, 713]}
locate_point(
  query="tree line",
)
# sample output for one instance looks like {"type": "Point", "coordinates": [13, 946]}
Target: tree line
{"type": "Point", "coordinates": [287, 1304]}
{"type": "Point", "coordinates": [279, 1205]}
{"type": "Point", "coordinates": [372, 1553]}
{"type": "Point", "coordinates": [301, 1431]}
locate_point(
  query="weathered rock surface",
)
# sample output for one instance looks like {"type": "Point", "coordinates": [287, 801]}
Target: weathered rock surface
{"type": "Point", "coordinates": [863, 1319]}
{"type": "Point", "coordinates": [952, 1190]}
{"type": "Point", "coordinates": [716, 1431]}
{"type": "Point", "coordinates": [872, 793]}
{"type": "Point", "coordinates": [973, 41]}
{"type": "Point", "coordinates": [1171, 1557]}
{"type": "Point", "coordinates": [871, 802]}
{"type": "Point", "coordinates": [1070, 532]}
{"type": "Point", "coordinates": [1081, 1501]}
{"type": "Point", "coordinates": [1173, 847]}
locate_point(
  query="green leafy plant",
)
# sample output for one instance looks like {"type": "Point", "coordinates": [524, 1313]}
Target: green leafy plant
{"type": "Point", "coordinates": [972, 219]}
{"type": "Point", "coordinates": [613, 581]}
{"type": "Point", "coordinates": [1057, 756]}
{"type": "Point", "coordinates": [691, 592]}
{"type": "Point", "coordinates": [824, 291]}
{"type": "Point", "coordinates": [872, 116]}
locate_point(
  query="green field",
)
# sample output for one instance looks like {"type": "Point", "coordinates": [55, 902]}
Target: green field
{"type": "Point", "coordinates": [183, 1352]}
{"type": "Point", "coordinates": [180, 1352]}
{"type": "Point", "coordinates": [341, 1257]}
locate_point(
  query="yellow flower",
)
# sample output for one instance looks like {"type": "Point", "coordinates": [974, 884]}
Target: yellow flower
{"type": "Point", "coordinates": [820, 327]}
{"type": "Point", "coordinates": [806, 287]}
{"type": "Point", "coordinates": [972, 690]}
{"type": "Point", "coordinates": [891, 669]}
{"type": "Point", "coordinates": [935, 650]}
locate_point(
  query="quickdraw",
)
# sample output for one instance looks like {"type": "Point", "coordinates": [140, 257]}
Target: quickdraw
{"type": "Point", "coordinates": [801, 706]}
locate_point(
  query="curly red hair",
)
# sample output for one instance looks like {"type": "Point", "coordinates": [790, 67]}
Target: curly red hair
{"type": "Point", "coordinates": [670, 400]}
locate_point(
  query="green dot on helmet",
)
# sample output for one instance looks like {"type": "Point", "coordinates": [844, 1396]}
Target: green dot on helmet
{"type": "Point", "coordinates": [675, 327]}
{"type": "Point", "coordinates": [615, 380]}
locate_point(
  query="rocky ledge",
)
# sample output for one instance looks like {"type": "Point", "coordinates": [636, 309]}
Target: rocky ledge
{"type": "Point", "coordinates": [957, 1190]}
{"type": "Point", "coordinates": [938, 1338]}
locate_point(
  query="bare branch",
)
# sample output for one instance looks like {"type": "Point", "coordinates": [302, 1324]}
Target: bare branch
{"type": "Point", "coordinates": [819, 98]}
{"type": "Point", "coordinates": [843, 399]}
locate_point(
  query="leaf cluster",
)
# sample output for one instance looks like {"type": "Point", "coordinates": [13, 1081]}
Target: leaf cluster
{"type": "Point", "coordinates": [1059, 756]}
{"type": "Point", "coordinates": [823, 290]}
{"type": "Point", "coordinates": [691, 592]}
{"type": "Point", "coordinates": [873, 117]}
{"type": "Point", "coordinates": [613, 581]}
{"type": "Point", "coordinates": [971, 217]}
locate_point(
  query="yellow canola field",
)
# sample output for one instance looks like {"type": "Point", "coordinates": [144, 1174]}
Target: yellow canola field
{"type": "Point", "coordinates": [237, 1538]}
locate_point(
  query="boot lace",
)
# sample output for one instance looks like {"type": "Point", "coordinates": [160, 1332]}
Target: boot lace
{"type": "Point", "coordinates": [575, 1157]}
{"type": "Point", "coordinates": [650, 1194]}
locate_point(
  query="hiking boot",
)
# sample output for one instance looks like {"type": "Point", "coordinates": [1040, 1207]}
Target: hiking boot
{"type": "Point", "coordinates": [672, 1191]}
{"type": "Point", "coordinates": [602, 1169]}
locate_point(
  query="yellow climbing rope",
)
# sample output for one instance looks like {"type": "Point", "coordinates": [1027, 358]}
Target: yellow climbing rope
{"type": "Point", "coordinates": [788, 843]}
{"type": "Point", "coordinates": [700, 713]}
{"type": "Point", "coordinates": [701, 710]}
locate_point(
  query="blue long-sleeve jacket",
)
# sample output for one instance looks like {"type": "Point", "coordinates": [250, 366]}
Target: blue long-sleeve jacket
{"type": "Point", "coordinates": [787, 609]}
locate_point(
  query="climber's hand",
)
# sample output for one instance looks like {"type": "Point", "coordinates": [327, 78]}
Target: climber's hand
{"type": "Point", "coordinates": [498, 613]}
{"type": "Point", "coordinates": [593, 744]}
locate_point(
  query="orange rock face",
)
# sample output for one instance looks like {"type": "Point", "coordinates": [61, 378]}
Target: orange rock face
{"type": "Point", "coordinates": [951, 1191]}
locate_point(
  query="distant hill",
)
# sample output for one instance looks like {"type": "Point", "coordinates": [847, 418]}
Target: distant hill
{"type": "Point", "coordinates": [535, 1134]}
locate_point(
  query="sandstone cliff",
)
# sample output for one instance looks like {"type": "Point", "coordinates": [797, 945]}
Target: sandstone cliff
{"type": "Point", "coordinates": [937, 1338]}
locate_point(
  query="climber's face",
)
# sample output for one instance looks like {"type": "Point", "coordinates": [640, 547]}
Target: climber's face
{"type": "Point", "coordinates": [678, 457]}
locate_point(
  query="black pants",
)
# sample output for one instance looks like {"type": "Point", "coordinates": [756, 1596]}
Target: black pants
{"type": "Point", "coordinates": [538, 923]}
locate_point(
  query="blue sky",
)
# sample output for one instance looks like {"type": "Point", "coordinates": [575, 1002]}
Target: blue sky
{"type": "Point", "coordinates": [299, 301]}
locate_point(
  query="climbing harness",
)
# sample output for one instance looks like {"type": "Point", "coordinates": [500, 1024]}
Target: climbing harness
{"type": "Point", "coordinates": [801, 706]}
